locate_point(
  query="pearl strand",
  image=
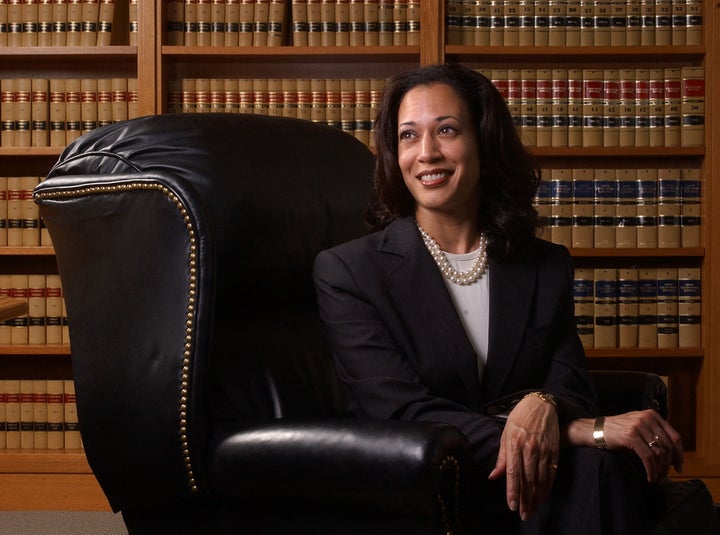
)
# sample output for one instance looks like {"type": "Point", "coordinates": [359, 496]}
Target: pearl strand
{"type": "Point", "coordinates": [449, 272]}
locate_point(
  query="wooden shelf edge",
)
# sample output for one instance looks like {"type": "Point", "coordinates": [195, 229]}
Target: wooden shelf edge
{"type": "Point", "coordinates": [61, 51]}
{"type": "Point", "coordinates": [29, 250]}
{"type": "Point", "coordinates": [618, 152]}
{"type": "Point", "coordinates": [43, 462]}
{"type": "Point", "coordinates": [25, 152]}
{"type": "Point", "coordinates": [50, 351]}
{"type": "Point", "coordinates": [601, 252]}
{"type": "Point", "coordinates": [387, 52]}
{"type": "Point", "coordinates": [661, 53]}
{"type": "Point", "coordinates": [635, 352]}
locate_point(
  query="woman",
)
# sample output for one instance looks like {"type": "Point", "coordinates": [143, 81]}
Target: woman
{"type": "Point", "coordinates": [454, 303]}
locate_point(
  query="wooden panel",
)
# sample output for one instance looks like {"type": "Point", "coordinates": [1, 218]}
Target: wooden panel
{"type": "Point", "coordinates": [51, 492]}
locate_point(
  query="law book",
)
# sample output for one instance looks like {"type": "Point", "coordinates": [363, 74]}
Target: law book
{"type": "Point", "coordinates": [3, 418]}
{"type": "Point", "coordinates": [245, 28]}
{"type": "Point", "coordinates": [119, 88]}
{"type": "Point", "coordinates": [672, 103]}
{"type": "Point", "coordinates": [275, 101]}
{"type": "Point", "coordinates": [40, 414]}
{"type": "Point", "coordinates": [104, 102]}
{"type": "Point", "coordinates": [556, 31]}
{"type": "Point", "coordinates": [618, 23]}
{"type": "Point", "coordinates": [290, 97]}
{"type": "Point", "coordinates": [59, 23]}
{"type": "Point", "coordinates": [30, 212]}
{"type": "Point", "coordinates": [133, 104]}
{"type": "Point", "coordinates": [328, 23]}
{"type": "Point", "coordinates": [314, 20]}
{"type": "Point", "coordinates": [606, 301]}
{"type": "Point", "coordinates": [602, 23]}
{"type": "Point", "coordinates": [647, 307]}
{"type": "Point", "coordinates": [528, 106]}
{"type": "Point", "coordinates": [667, 307]}
{"type": "Point", "coordinates": [53, 309]}
{"type": "Point", "coordinates": [679, 22]}
{"type": "Point", "coordinates": [514, 98]}
{"type": "Point", "coordinates": [542, 23]}
{"type": "Point", "coordinates": [573, 24]}
{"type": "Point", "coordinates": [633, 26]}
{"type": "Point", "coordinates": [3, 23]}
{"type": "Point", "coordinates": [88, 105]}
{"type": "Point", "coordinates": [605, 207]}
{"type": "Point", "coordinates": [694, 22]}
{"type": "Point", "coordinates": [7, 112]}
{"type": "Point", "coordinates": [300, 27]}
{"type": "Point", "coordinates": [399, 37]}
{"type": "Point", "coordinates": [12, 414]}
{"type": "Point", "coordinates": [71, 425]}
{"type": "Point", "coordinates": [23, 112]}
{"type": "Point", "coordinates": [587, 21]}
{"type": "Point", "coordinates": [647, 27]}
{"type": "Point", "coordinates": [5, 326]}
{"type": "Point", "coordinates": [74, 24]}
{"type": "Point", "coordinates": [561, 209]}
{"type": "Point", "coordinates": [626, 108]}
{"type": "Point", "coordinates": [611, 108]}
{"type": "Point", "coordinates": [347, 105]}
{"type": "Point", "coordinates": [647, 208]}
{"type": "Point", "coordinates": [453, 22]}
{"type": "Point", "coordinates": [584, 303]}
{"type": "Point", "coordinates": [342, 23]}
{"type": "Point", "coordinates": [544, 108]}
{"type": "Point", "coordinates": [90, 16]}
{"type": "Point", "coordinates": [19, 290]}
{"type": "Point", "coordinates": [40, 112]}
{"type": "Point", "coordinates": [583, 217]}
{"type": "Point", "coordinates": [30, 23]}
{"type": "Point", "coordinates": [357, 22]}
{"type": "Point", "coordinates": [3, 211]}
{"type": "Point", "coordinates": [497, 22]}
{"type": "Point", "coordinates": [689, 307]}
{"type": "Point", "coordinates": [55, 415]}
{"type": "Point", "coordinates": [217, 23]}
{"type": "Point", "coordinates": [245, 95]}
{"type": "Point", "coordinates": [626, 208]}
{"type": "Point", "coordinates": [65, 330]}
{"type": "Point", "coordinates": [27, 431]}
{"type": "Point", "coordinates": [174, 22]}
{"type": "Point", "coordinates": [592, 108]}
{"type": "Point", "coordinates": [543, 205]}
{"type": "Point", "coordinates": [190, 25]}
{"type": "Point", "coordinates": [14, 211]}
{"type": "Point", "coordinates": [692, 132]}
{"type": "Point", "coordinates": [133, 22]}
{"type": "Point", "coordinates": [669, 208]}
{"type": "Point", "coordinates": [663, 22]}
{"type": "Point", "coordinates": [377, 86]}
{"type": "Point", "coordinates": [174, 96]}
{"type": "Point", "coordinates": [656, 108]}
{"type": "Point", "coordinates": [642, 107]}
{"type": "Point", "coordinates": [526, 30]}
{"type": "Point", "coordinates": [691, 214]}
{"type": "Point", "coordinates": [73, 113]}
{"type": "Point", "coordinates": [260, 96]}
{"type": "Point", "coordinates": [231, 30]}
{"type": "Point", "coordinates": [511, 15]}
{"type": "Point", "coordinates": [559, 108]}
{"type": "Point", "coordinates": [204, 22]}
{"type": "Point", "coordinates": [15, 23]}
{"type": "Point", "coordinates": [627, 307]}
{"type": "Point", "coordinates": [372, 22]}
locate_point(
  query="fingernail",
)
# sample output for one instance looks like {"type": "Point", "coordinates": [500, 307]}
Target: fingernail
{"type": "Point", "coordinates": [524, 517]}
{"type": "Point", "coordinates": [513, 505]}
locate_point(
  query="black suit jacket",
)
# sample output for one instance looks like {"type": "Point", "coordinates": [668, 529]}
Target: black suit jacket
{"type": "Point", "coordinates": [402, 350]}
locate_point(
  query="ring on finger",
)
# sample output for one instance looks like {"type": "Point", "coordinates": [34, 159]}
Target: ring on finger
{"type": "Point", "coordinates": [655, 442]}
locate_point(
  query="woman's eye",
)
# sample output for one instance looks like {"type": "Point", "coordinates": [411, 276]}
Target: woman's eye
{"type": "Point", "coordinates": [447, 130]}
{"type": "Point", "coordinates": [405, 135]}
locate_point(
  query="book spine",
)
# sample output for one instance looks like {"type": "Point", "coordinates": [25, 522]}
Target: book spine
{"type": "Point", "coordinates": [27, 431]}
{"type": "Point", "coordinates": [633, 27]}
{"type": "Point", "coordinates": [204, 22]}
{"type": "Point", "coordinates": [626, 208]}
{"type": "Point", "coordinates": [605, 308]}
{"type": "Point", "coordinates": [55, 415]}
{"type": "Point", "coordinates": [175, 21]}
{"type": "Point", "coordinates": [618, 23]}
{"type": "Point", "coordinates": [106, 18]}
{"type": "Point", "coordinates": [573, 23]}
{"type": "Point", "coordinates": [57, 112]}
{"type": "Point", "coordinates": [15, 23]}
{"type": "Point", "coordinates": [88, 105]}
{"type": "Point", "coordinates": [357, 23]}
{"type": "Point", "coordinates": [119, 90]}
{"type": "Point", "coordinates": [647, 307]}
{"type": "Point", "coordinates": [626, 112]}
{"type": "Point", "coordinates": [73, 112]}
{"type": "Point", "coordinates": [30, 212]}
{"type": "Point", "coordinates": [29, 23]}
{"type": "Point", "coordinates": [40, 414]}
{"type": "Point", "coordinates": [133, 22]}
{"type": "Point", "coordinates": [14, 211]}
{"type": "Point", "coordinates": [3, 417]}
{"type": "Point", "coordinates": [561, 192]}
{"type": "Point", "coordinates": [7, 112]}
{"type": "Point", "coordinates": [689, 307]}
{"type": "Point", "coordinates": [53, 309]}
{"type": "Point", "coordinates": [290, 97]}
{"type": "Point", "coordinates": [59, 17]}
{"type": "Point", "coordinates": [217, 23]}
{"type": "Point", "coordinates": [3, 212]}
{"type": "Point", "coordinates": [23, 112]}
{"type": "Point", "coordinates": [693, 106]}
{"type": "Point", "coordinates": [602, 21]}
{"type": "Point", "coordinates": [647, 208]}
{"type": "Point", "coordinates": [627, 307]}
{"type": "Point", "coordinates": [583, 296]}
{"type": "Point", "coordinates": [528, 106]}
{"type": "Point", "coordinates": [559, 108]}
{"type": "Point", "coordinates": [5, 326]}
{"type": "Point", "coordinates": [74, 23]}
{"type": "Point", "coordinates": [342, 22]}
{"type": "Point", "coordinates": [691, 213]}
{"type": "Point", "coordinates": [71, 426]}
{"type": "Point", "coordinates": [12, 414]}
{"type": "Point", "coordinates": [679, 22]}
{"type": "Point", "coordinates": [260, 96]}
{"type": "Point", "coordinates": [542, 23]}
{"type": "Point", "coordinates": [583, 221]}
{"type": "Point", "coordinates": [347, 105]}
{"type": "Point", "coordinates": [90, 15]}
{"type": "Point", "coordinates": [647, 28]}
{"type": "Point", "coordinates": [611, 108]}
{"type": "Point", "coordinates": [40, 112]}
{"type": "Point", "coordinates": [667, 307]}
{"type": "Point", "coordinates": [399, 37]}
{"type": "Point", "coordinates": [605, 207]}
{"type": "Point", "coordinates": [511, 15]}
{"type": "Point", "coordinates": [694, 23]}
{"type": "Point", "coordinates": [668, 208]}
{"type": "Point", "coordinates": [217, 96]}
{"type": "Point", "coordinates": [663, 22]}
{"type": "Point", "coordinates": [556, 31]}
{"type": "Point", "coordinates": [592, 108]}
{"type": "Point", "coordinates": [190, 26]}
{"type": "Point", "coordinates": [104, 102]}
{"type": "Point", "coordinates": [372, 22]}
{"type": "Point", "coordinates": [642, 107]}
{"type": "Point", "coordinates": [656, 108]}
{"type": "Point", "coordinates": [232, 23]}
{"type": "Point", "coordinates": [544, 108]}
{"type": "Point", "coordinates": [543, 205]}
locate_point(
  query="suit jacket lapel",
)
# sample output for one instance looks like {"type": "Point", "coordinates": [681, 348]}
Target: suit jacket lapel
{"type": "Point", "coordinates": [512, 284]}
{"type": "Point", "coordinates": [420, 285]}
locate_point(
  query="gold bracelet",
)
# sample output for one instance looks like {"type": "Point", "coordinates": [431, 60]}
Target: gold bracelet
{"type": "Point", "coordinates": [545, 396]}
{"type": "Point", "coordinates": [599, 433]}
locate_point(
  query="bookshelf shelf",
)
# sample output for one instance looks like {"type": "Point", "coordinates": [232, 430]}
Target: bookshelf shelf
{"type": "Point", "coordinates": [584, 54]}
{"type": "Point", "coordinates": [42, 350]}
{"type": "Point", "coordinates": [27, 251]}
{"type": "Point", "coordinates": [645, 353]}
{"type": "Point", "coordinates": [281, 53]}
{"type": "Point", "coordinates": [56, 52]}
{"type": "Point", "coordinates": [43, 462]}
{"type": "Point", "coordinates": [671, 253]}
{"type": "Point", "coordinates": [619, 152]}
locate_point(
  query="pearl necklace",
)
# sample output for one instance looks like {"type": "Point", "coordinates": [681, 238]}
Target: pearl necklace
{"type": "Point", "coordinates": [449, 272]}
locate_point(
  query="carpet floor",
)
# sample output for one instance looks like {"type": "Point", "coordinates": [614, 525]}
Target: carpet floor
{"type": "Point", "coordinates": [60, 523]}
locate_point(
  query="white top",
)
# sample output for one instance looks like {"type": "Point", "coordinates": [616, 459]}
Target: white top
{"type": "Point", "coordinates": [472, 302]}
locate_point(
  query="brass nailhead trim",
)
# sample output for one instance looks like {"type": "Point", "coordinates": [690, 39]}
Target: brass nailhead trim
{"type": "Point", "coordinates": [192, 290]}
{"type": "Point", "coordinates": [455, 465]}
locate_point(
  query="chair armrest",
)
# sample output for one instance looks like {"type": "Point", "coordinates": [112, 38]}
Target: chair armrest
{"type": "Point", "coordinates": [406, 467]}
{"type": "Point", "coordinates": [624, 391]}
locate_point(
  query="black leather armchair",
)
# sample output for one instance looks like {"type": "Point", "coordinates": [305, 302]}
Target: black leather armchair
{"type": "Point", "coordinates": [206, 394]}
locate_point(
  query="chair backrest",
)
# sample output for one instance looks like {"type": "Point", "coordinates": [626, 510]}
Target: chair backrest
{"type": "Point", "coordinates": [185, 246]}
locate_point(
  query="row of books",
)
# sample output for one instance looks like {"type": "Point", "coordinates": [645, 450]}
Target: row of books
{"type": "Point", "coordinates": [349, 104]}
{"type": "Point", "coordinates": [638, 307]}
{"type": "Point", "coordinates": [621, 208]}
{"type": "Point", "coordinates": [296, 23]}
{"type": "Point", "coordinates": [56, 22]}
{"type": "Point", "coordinates": [46, 320]}
{"type": "Point", "coordinates": [38, 414]}
{"type": "Point", "coordinates": [41, 112]}
{"type": "Point", "coordinates": [654, 107]}
{"type": "Point", "coordinates": [574, 22]}
{"type": "Point", "coordinates": [20, 223]}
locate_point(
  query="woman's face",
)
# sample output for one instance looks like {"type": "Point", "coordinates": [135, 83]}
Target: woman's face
{"type": "Point", "coordinates": [437, 151]}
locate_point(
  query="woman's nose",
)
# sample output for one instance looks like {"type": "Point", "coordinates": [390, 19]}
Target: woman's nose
{"type": "Point", "coordinates": [429, 149]}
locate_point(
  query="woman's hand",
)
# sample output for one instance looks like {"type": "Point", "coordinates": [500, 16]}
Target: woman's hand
{"type": "Point", "coordinates": [528, 456]}
{"type": "Point", "coordinates": [645, 433]}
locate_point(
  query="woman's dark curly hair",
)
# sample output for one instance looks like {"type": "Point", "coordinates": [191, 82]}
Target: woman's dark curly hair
{"type": "Point", "coordinates": [509, 176]}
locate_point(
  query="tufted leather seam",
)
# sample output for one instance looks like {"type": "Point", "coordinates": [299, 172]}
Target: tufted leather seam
{"type": "Point", "coordinates": [450, 462]}
{"type": "Point", "coordinates": [192, 289]}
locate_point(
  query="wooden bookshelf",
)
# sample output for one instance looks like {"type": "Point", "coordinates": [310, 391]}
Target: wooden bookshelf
{"type": "Point", "coordinates": [64, 481]}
